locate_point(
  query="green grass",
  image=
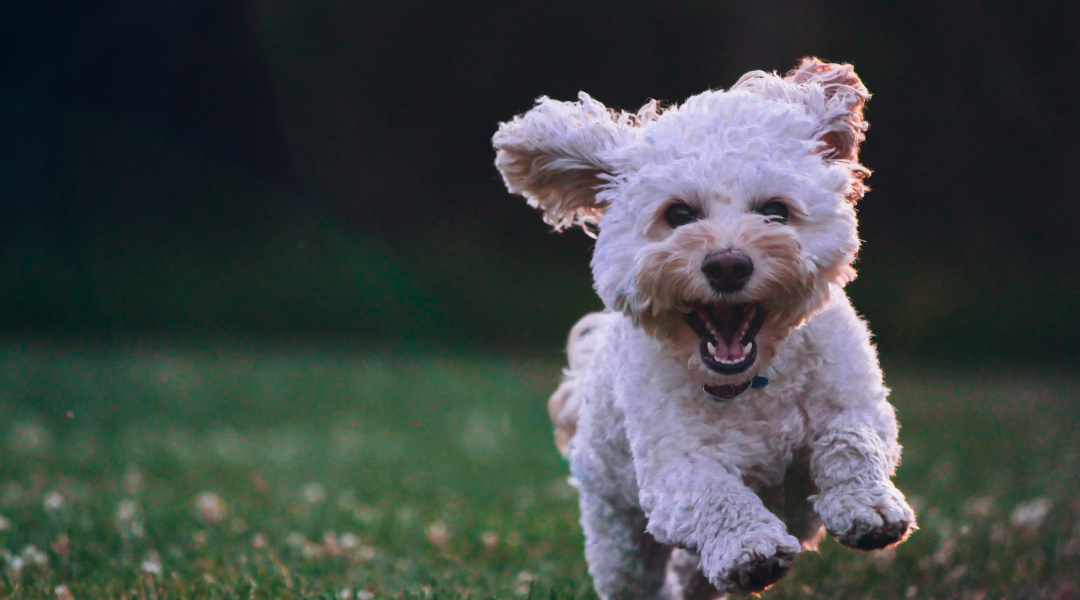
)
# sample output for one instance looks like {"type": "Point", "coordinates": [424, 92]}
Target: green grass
{"type": "Point", "coordinates": [158, 471]}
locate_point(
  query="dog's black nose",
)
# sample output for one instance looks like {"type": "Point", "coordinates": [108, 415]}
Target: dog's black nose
{"type": "Point", "coordinates": [728, 271]}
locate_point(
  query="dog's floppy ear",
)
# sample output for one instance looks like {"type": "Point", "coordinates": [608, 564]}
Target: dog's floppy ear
{"type": "Point", "coordinates": [553, 155]}
{"type": "Point", "coordinates": [833, 93]}
{"type": "Point", "coordinates": [845, 96]}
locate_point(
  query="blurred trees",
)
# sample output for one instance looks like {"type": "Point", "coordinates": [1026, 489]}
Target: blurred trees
{"type": "Point", "coordinates": [201, 126]}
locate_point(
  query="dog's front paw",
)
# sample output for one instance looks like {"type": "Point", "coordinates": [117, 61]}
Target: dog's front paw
{"type": "Point", "coordinates": [867, 517]}
{"type": "Point", "coordinates": [753, 562]}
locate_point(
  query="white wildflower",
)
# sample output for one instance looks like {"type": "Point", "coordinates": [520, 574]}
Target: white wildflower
{"type": "Point", "coordinates": [330, 544]}
{"type": "Point", "coordinates": [126, 511]}
{"type": "Point", "coordinates": [1030, 515]}
{"type": "Point", "coordinates": [34, 556]}
{"type": "Point", "coordinates": [438, 535]}
{"type": "Point", "coordinates": [313, 493]}
{"type": "Point", "coordinates": [53, 501]}
{"type": "Point", "coordinates": [152, 564]}
{"type": "Point", "coordinates": [524, 583]}
{"type": "Point", "coordinates": [210, 508]}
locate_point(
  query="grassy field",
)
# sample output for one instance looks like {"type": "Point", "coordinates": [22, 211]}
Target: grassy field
{"type": "Point", "coordinates": [159, 471]}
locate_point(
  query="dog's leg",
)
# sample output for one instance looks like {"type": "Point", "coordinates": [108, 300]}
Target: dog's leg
{"type": "Point", "coordinates": [744, 548]}
{"type": "Point", "coordinates": [685, 581]}
{"type": "Point", "coordinates": [692, 491]}
{"type": "Point", "coordinates": [790, 501]}
{"type": "Point", "coordinates": [854, 449]}
{"type": "Point", "coordinates": [625, 562]}
{"type": "Point", "coordinates": [860, 507]}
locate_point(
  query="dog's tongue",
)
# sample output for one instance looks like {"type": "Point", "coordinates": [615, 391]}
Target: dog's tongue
{"type": "Point", "coordinates": [728, 322]}
{"type": "Point", "coordinates": [729, 350]}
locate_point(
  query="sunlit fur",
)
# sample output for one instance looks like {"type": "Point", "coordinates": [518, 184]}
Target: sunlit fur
{"type": "Point", "coordinates": [652, 451]}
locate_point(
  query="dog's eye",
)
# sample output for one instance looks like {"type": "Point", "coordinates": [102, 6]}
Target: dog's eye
{"type": "Point", "coordinates": [774, 211]}
{"type": "Point", "coordinates": [679, 214]}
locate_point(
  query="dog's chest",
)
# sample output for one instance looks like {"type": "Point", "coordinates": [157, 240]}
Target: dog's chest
{"type": "Point", "coordinates": [759, 435]}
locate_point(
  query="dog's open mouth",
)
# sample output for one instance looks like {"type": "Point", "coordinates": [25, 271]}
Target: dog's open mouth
{"type": "Point", "coordinates": [727, 334]}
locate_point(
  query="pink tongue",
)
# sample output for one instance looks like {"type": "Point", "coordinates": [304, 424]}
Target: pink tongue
{"type": "Point", "coordinates": [729, 351]}
{"type": "Point", "coordinates": [729, 321]}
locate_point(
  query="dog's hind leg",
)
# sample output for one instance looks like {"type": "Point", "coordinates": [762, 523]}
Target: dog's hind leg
{"type": "Point", "coordinates": [564, 406]}
{"type": "Point", "coordinates": [685, 581]}
{"type": "Point", "coordinates": [625, 562]}
{"type": "Point", "coordinates": [791, 502]}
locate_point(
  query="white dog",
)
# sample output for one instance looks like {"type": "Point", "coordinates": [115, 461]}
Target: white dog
{"type": "Point", "coordinates": [728, 405]}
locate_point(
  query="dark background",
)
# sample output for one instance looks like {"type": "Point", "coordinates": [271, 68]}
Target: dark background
{"type": "Point", "coordinates": [312, 168]}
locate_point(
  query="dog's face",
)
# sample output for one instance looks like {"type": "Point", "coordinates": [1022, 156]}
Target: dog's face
{"type": "Point", "coordinates": [722, 222]}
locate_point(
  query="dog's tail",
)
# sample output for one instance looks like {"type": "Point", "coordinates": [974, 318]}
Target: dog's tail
{"type": "Point", "coordinates": [565, 403]}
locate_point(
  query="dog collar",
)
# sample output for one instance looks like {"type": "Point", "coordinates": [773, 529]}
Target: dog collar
{"type": "Point", "coordinates": [723, 393]}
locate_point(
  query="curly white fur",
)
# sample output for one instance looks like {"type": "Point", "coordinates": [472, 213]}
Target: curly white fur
{"type": "Point", "coordinates": [735, 489]}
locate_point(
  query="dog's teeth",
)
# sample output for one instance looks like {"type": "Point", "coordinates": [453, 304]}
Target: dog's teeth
{"type": "Point", "coordinates": [746, 349]}
{"type": "Point", "coordinates": [711, 347]}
